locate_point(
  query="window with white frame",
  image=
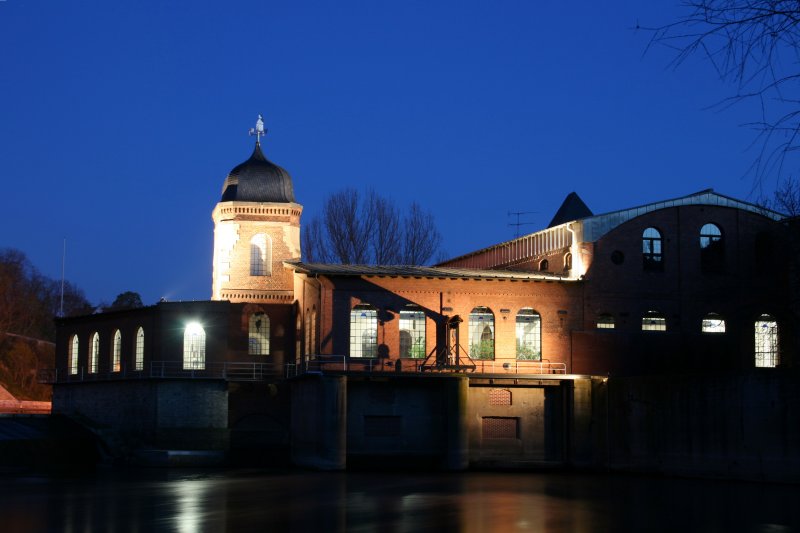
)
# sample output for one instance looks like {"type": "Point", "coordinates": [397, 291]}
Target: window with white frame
{"type": "Point", "coordinates": [652, 256]}
{"type": "Point", "coordinates": [766, 342]}
{"type": "Point", "coordinates": [194, 347]}
{"type": "Point", "coordinates": [654, 321]}
{"type": "Point", "coordinates": [712, 248]}
{"type": "Point", "coordinates": [363, 331]}
{"type": "Point", "coordinates": [605, 321]}
{"type": "Point", "coordinates": [258, 336]}
{"type": "Point", "coordinates": [72, 355]}
{"type": "Point", "coordinates": [481, 333]}
{"type": "Point", "coordinates": [713, 323]}
{"type": "Point", "coordinates": [260, 255]}
{"type": "Point", "coordinates": [139, 356]}
{"type": "Point", "coordinates": [94, 353]}
{"type": "Point", "coordinates": [529, 335]}
{"type": "Point", "coordinates": [412, 333]}
{"type": "Point", "coordinates": [116, 352]}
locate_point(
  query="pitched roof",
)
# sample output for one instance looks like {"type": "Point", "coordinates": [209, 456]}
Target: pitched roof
{"type": "Point", "coordinates": [327, 269]}
{"type": "Point", "coordinates": [572, 208]}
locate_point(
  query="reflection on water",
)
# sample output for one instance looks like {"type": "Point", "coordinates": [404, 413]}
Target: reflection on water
{"type": "Point", "coordinates": [180, 500]}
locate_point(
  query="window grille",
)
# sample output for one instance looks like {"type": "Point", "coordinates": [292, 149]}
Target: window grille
{"type": "Point", "coordinates": [94, 357]}
{"type": "Point", "coordinates": [139, 362]}
{"type": "Point", "coordinates": [499, 397]}
{"type": "Point", "coordinates": [605, 321]}
{"type": "Point", "coordinates": [651, 250]}
{"type": "Point", "coordinates": [713, 323]}
{"type": "Point", "coordinates": [529, 335]}
{"type": "Point", "coordinates": [116, 352]}
{"type": "Point", "coordinates": [194, 347]}
{"type": "Point", "coordinates": [258, 334]}
{"type": "Point", "coordinates": [412, 333]}
{"type": "Point", "coordinates": [260, 255]}
{"type": "Point", "coordinates": [766, 342]}
{"type": "Point", "coordinates": [499, 427]}
{"type": "Point", "coordinates": [654, 321]}
{"type": "Point", "coordinates": [73, 355]}
{"type": "Point", "coordinates": [363, 331]}
{"type": "Point", "coordinates": [481, 333]}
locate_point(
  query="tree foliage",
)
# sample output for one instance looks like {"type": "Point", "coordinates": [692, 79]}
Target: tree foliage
{"type": "Point", "coordinates": [29, 300]}
{"type": "Point", "coordinates": [755, 45]}
{"type": "Point", "coordinates": [369, 229]}
{"type": "Point", "coordinates": [125, 300]}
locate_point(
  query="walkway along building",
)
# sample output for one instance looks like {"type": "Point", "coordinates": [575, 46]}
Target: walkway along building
{"type": "Point", "coordinates": [657, 337]}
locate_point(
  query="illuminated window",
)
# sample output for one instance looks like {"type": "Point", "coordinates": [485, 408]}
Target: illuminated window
{"type": "Point", "coordinates": [766, 342]}
{"type": "Point", "coordinates": [194, 347]}
{"type": "Point", "coordinates": [94, 352]}
{"type": "Point", "coordinates": [529, 335]}
{"type": "Point", "coordinates": [654, 321]}
{"type": "Point", "coordinates": [605, 321]}
{"type": "Point", "coordinates": [72, 355]}
{"type": "Point", "coordinates": [363, 331]}
{"type": "Point", "coordinates": [412, 333]}
{"type": "Point", "coordinates": [713, 323]}
{"type": "Point", "coordinates": [481, 333]}
{"type": "Point", "coordinates": [139, 362]}
{"type": "Point", "coordinates": [651, 250]}
{"type": "Point", "coordinates": [258, 336]}
{"type": "Point", "coordinates": [712, 249]}
{"type": "Point", "coordinates": [260, 255]}
{"type": "Point", "coordinates": [568, 261]}
{"type": "Point", "coordinates": [116, 351]}
{"type": "Point", "coordinates": [544, 265]}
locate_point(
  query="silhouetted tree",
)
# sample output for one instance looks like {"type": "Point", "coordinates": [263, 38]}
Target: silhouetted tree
{"type": "Point", "coordinates": [754, 44]}
{"type": "Point", "coordinates": [369, 229]}
{"type": "Point", "coordinates": [125, 300]}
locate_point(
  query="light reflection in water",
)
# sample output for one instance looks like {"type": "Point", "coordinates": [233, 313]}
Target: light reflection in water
{"type": "Point", "coordinates": [181, 501]}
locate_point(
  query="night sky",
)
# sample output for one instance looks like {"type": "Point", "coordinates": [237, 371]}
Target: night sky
{"type": "Point", "coordinates": [119, 121]}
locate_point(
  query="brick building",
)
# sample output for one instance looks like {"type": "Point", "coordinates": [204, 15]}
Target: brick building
{"type": "Point", "coordinates": [698, 284]}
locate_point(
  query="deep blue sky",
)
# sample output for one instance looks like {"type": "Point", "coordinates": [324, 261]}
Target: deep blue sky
{"type": "Point", "coordinates": [120, 120]}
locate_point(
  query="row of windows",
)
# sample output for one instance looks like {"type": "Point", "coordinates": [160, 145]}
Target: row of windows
{"type": "Point", "coordinates": [73, 351]}
{"type": "Point", "coordinates": [712, 249]}
{"type": "Point", "coordinates": [194, 346]}
{"type": "Point", "coordinates": [480, 327]}
{"type": "Point", "coordinates": [766, 332]}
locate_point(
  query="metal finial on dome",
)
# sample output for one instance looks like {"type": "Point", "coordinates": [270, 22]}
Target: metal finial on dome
{"type": "Point", "coordinates": [259, 130]}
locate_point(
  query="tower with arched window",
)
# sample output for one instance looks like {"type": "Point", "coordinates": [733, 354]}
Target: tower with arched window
{"type": "Point", "coordinates": [256, 228]}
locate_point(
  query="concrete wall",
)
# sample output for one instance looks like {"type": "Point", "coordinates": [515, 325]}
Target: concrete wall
{"type": "Point", "coordinates": [181, 414]}
{"type": "Point", "coordinates": [734, 426]}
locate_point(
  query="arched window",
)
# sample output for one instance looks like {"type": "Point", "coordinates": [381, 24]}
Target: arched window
{"type": "Point", "coordinates": [653, 259]}
{"type": "Point", "coordinates": [529, 335]}
{"type": "Point", "coordinates": [568, 261]}
{"type": "Point", "coordinates": [363, 331]}
{"type": "Point", "coordinates": [194, 347]}
{"type": "Point", "coordinates": [766, 342]}
{"type": "Point", "coordinates": [713, 323]}
{"type": "Point", "coordinates": [258, 336]}
{"type": "Point", "coordinates": [481, 333]}
{"type": "Point", "coordinates": [72, 355]}
{"type": "Point", "coordinates": [139, 362]}
{"type": "Point", "coordinates": [412, 333]}
{"type": "Point", "coordinates": [712, 249]}
{"type": "Point", "coordinates": [654, 321]}
{"type": "Point", "coordinates": [116, 352]}
{"type": "Point", "coordinates": [544, 265]}
{"type": "Point", "coordinates": [260, 255]}
{"type": "Point", "coordinates": [605, 321]}
{"type": "Point", "coordinates": [94, 352]}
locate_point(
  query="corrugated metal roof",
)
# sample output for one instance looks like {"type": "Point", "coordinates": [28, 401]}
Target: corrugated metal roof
{"type": "Point", "coordinates": [326, 269]}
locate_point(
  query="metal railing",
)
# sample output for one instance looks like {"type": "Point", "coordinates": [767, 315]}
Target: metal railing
{"type": "Point", "coordinates": [343, 363]}
{"type": "Point", "coordinates": [229, 371]}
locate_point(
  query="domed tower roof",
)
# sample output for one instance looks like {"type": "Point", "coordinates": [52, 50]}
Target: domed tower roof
{"type": "Point", "coordinates": [258, 180]}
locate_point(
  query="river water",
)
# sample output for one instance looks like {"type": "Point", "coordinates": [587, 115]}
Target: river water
{"type": "Point", "coordinates": [247, 500]}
